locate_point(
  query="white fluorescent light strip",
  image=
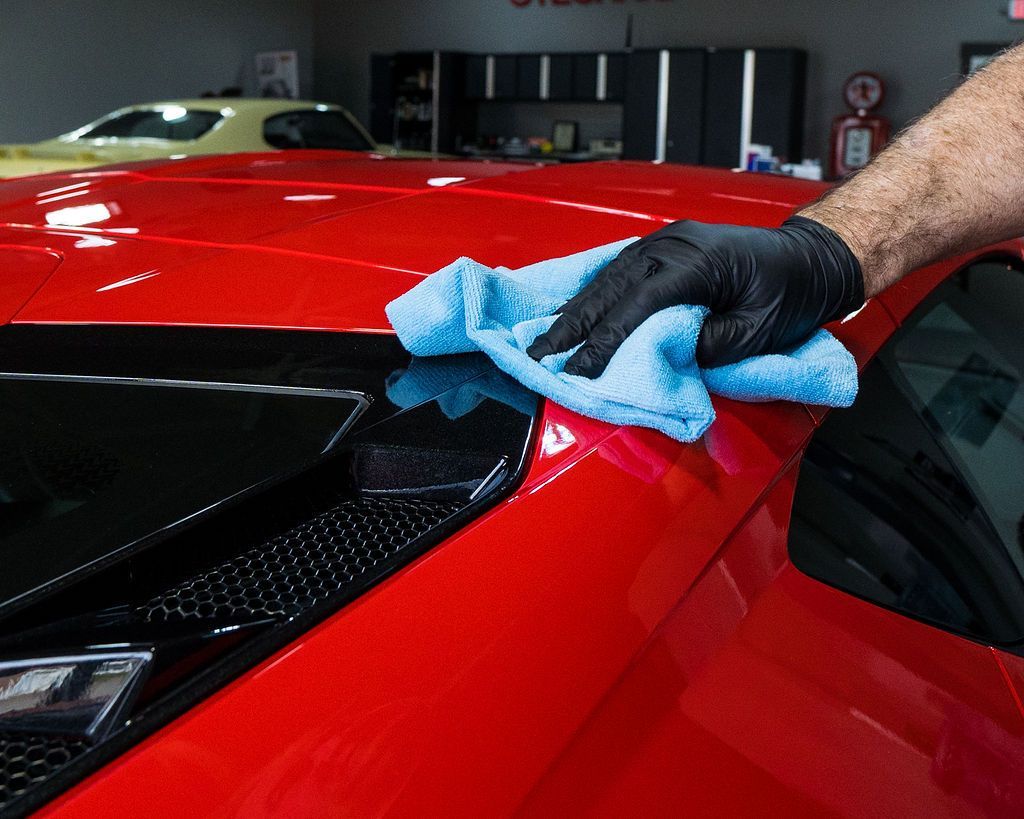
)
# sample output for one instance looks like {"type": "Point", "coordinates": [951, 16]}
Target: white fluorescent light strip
{"type": "Point", "coordinates": [486, 481]}
{"type": "Point", "coordinates": [149, 274]}
{"type": "Point", "coordinates": [64, 189]}
{"type": "Point", "coordinates": [661, 145]}
{"type": "Point", "coordinates": [489, 77]}
{"type": "Point", "coordinates": [602, 77]}
{"type": "Point", "coordinates": [545, 76]}
{"type": "Point", "coordinates": [747, 106]}
{"type": "Point", "coordinates": [61, 196]}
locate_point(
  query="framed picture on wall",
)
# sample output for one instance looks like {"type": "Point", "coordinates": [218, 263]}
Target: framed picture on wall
{"type": "Point", "coordinates": [976, 55]}
{"type": "Point", "coordinates": [277, 74]}
{"type": "Point", "coordinates": [563, 136]}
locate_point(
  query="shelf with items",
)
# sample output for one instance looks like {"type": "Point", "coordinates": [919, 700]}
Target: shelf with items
{"type": "Point", "coordinates": [416, 100]}
{"type": "Point", "coordinates": [547, 130]}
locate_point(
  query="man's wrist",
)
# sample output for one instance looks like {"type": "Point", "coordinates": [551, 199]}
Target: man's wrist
{"type": "Point", "coordinates": [843, 282]}
{"type": "Point", "coordinates": [881, 262]}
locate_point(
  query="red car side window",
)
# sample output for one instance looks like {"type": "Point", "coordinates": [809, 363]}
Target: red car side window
{"type": "Point", "coordinates": [912, 498]}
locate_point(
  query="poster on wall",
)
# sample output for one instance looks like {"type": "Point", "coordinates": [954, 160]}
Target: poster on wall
{"type": "Point", "coordinates": [277, 74]}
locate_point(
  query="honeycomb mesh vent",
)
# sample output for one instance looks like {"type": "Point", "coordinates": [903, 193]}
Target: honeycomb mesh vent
{"type": "Point", "coordinates": [26, 761]}
{"type": "Point", "coordinates": [294, 570]}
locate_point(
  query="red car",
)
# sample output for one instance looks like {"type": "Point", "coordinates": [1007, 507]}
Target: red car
{"type": "Point", "coordinates": [258, 562]}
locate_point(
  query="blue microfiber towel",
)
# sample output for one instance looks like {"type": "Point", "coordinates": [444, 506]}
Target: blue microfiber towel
{"type": "Point", "coordinates": [652, 380]}
{"type": "Point", "coordinates": [458, 383]}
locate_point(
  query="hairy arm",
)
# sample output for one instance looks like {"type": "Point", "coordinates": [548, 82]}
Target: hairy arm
{"type": "Point", "coordinates": [951, 182]}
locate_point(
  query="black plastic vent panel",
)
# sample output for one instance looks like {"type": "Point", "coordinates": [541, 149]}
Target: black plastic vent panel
{"type": "Point", "coordinates": [68, 470]}
{"type": "Point", "coordinates": [440, 441]}
{"type": "Point", "coordinates": [305, 565]}
{"type": "Point", "coordinates": [26, 761]}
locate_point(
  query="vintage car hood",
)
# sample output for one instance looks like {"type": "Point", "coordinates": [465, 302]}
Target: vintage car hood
{"type": "Point", "coordinates": [58, 155]}
{"type": "Point", "coordinates": [22, 160]}
{"type": "Point", "coordinates": [325, 239]}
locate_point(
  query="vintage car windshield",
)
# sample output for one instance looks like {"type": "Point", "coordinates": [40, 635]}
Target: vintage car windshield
{"type": "Point", "coordinates": [172, 122]}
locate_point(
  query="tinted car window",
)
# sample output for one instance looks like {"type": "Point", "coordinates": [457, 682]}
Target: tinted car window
{"type": "Point", "coordinates": [170, 123]}
{"type": "Point", "coordinates": [95, 465]}
{"type": "Point", "coordinates": [913, 497]}
{"type": "Point", "coordinates": [329, 130]}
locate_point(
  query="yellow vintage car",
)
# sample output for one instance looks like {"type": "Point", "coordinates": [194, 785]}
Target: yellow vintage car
{"type": "Point", "coordinates": [177, 128]}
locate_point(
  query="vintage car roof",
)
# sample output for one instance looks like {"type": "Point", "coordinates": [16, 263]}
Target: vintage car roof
{"type": "Point", "coordinates": [256, 106]}
{"type": "Point", "coordinates": [260, 104]}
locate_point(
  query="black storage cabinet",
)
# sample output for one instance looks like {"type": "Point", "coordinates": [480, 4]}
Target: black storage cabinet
{"type": "Point", "coordinates": [780, 91]}
{"type": "Point", "coordinates": [476, 77]}
{"type": "Point", "coordinates": [704, 121]}
{"type": "Point", "coordinates": [703, 89]}
{"type": "Point", "coordinates": [449, 118]}
{"type": "Point", "coordinates": [585, 73]}
{"type": "Point", "coordinates": [685, 112]}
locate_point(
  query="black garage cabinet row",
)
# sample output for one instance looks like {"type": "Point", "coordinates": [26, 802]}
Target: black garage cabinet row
{"type": "Point", "coordinates": [540, 77]}
{"type": "Point", "coordinates": [692, 105]}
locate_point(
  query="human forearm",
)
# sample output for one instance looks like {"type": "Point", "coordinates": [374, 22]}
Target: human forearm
{"type": "Point", "coordinates": [951, 182]}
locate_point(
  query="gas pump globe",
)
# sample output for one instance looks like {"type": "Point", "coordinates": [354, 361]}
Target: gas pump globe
{"type": "Point", "coordinates": [859, 136]}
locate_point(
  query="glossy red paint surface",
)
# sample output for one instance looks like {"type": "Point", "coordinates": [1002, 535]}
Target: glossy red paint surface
{"type": "Point", "coordinates": [765, 692]}
{"type": "Point", "coordinates": [224, 240]}
{"type": "Point", "coordinates": [623, 636]}
{"type": "Point", "coordinates": [903, 296]}
{"type": "Point", "coordinates": [24, 269]}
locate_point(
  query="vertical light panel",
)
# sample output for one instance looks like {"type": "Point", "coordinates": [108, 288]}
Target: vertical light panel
{"type": "Point", "coordinates": [602, 77]}
{"type": "Point", "coordinates": [747, 104]}
{"type": "Point", "coordinates": [545, 76]}
{"type": "Point", "coordinates": [489, 77]}
{"type": "Point", "coordinates": [661, 144]}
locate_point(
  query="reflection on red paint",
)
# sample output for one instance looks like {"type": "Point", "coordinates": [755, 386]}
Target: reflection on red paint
{"type": "Point", "coordinates": [555, 438]}
{"type": "Point", "coordinates": [643, 453]}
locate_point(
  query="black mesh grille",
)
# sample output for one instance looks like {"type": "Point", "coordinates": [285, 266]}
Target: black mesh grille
{"type": "Point", "coordinates": [304, 565]}
{"type": "Point", "coordinates": [26, 761]}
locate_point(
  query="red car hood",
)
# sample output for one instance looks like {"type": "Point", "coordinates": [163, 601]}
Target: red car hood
{"type": "Point", "coordinates": [322, 239]}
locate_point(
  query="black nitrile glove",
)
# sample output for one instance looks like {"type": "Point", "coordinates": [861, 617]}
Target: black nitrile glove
{"type": "Point", "coordinates": [768, 290]}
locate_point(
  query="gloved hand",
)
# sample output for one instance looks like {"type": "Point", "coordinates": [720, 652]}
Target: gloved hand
{"type": "Point", "coordinates": [768, 290]}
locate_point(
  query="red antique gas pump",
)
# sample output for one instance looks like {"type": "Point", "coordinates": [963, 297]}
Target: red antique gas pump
{"type": "Point", "coordinates": [859, 136]}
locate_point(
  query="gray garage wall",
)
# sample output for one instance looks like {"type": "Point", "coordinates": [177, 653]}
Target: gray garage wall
{"type": "Point", "coordinates": [914, 44]}
{"type": "Point", "coordinates": [65, 62]}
